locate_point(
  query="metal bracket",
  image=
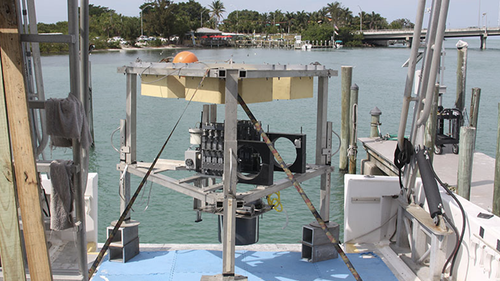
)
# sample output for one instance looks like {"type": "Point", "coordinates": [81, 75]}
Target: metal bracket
{"type": "Point", "coordinates": [365, 199]}
{"type": "Point", "coordinates": [217, 73]}
{"type": "Point", "coordinates": [327, 152]}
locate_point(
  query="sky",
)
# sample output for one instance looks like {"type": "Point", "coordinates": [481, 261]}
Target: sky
{"type": "Point", "coordinates": [462, 13]}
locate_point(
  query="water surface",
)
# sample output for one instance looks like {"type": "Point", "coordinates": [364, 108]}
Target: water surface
{"type": "Point", "coordinates": [166, 216]}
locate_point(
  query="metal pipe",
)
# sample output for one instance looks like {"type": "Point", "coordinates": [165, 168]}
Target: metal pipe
{"type": "Point", "coordinates": [426, 65]}
{"type": "Point", "coordinates": [411, 71]}
{"type": "Point", "coordinates": [322, 136]}
{"type": "Point", "coordinates": [84, 59]}
{"type": "Point", "coordinates": [79, 153]}
{"type": "Point", "coordinates": [74, 49]}
{"type": "Point", "coordinates": [230, 148]}
{"type": "Point", "coordinates": [410, 175]}
{"type": "Point", "coordinates": [353, 148]}
{"type": "Point", "coordinates": [431, 127]}
{"type": "Point", "coordinates": [37, 64]}
{"type": "Point", "coordinates": [436, 56]}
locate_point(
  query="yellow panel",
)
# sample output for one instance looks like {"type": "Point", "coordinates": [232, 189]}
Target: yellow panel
{"type": "Point", "coordinates": [256, 89]}
{"type": "Point", "coordinates": [287, 88]}
{"type": "Point", "coordinates": [213, 90]}
{"type": "Point", "coordinates": [163, 86]}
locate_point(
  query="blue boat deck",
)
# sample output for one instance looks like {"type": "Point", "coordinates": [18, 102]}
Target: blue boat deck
{"type": "Point", "coordinates": [256, 265]}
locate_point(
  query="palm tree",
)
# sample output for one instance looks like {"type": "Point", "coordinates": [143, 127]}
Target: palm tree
{"type": "Point", "coordinates": [322, 15]}
{"type": "Point", "coordinates": [216, 10]}
{"type": "Point", "coordinates": [335, 10]}
{"type": "Point", "coordinates": [289, 19]}
{"type": "Point", "coordinates": [301, 21]}
{"type": "Point", "coordinates": [376, 21]}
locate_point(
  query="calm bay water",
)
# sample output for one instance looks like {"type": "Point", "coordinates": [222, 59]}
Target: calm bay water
{"type": "Point", "coordinates": [166, 216]}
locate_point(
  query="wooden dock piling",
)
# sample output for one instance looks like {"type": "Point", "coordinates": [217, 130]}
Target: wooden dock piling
{"type": "Point", "coordinates": [496, 186]}
{"type": "Point", "coordinates": [461, 75]}
{"type": "Point", "coordinates": [465, 160]}
{"type": "Point", "coordinates": [375, 113]}
{"type": "Point", "coordinates": [474, 107]}
{"type": "Point", "coordinates": [346, 81]}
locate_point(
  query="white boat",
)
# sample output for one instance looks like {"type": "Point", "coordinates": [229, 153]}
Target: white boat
{"type": "Point", "coordinates": [306, 47]}
{"type": "Point", "coordinates": [394, 228]}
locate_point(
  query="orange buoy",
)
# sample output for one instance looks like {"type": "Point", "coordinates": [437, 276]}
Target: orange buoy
{"type": "Point", "coordinates": [185, 57]}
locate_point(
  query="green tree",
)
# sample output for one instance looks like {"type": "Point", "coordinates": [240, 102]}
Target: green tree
{"type": "Point", "coordinates": [58, 27]}
{"type": "Point", "coordinates": [187, 16]}
{"type": "Point", "coordinates": [349, 37]}
{"type": "Point", "coordinates": [401, 24]}
{"type": "Point", "coordinates": [301, 21]}
{"type": "Point", "coordinates": [289, 20]}
{"type": "Point", "coordinates": [375, 21]}
{"type": "Point", "coordinates": [217, 9]}
{"type": "Point", "coordinates": [334, 9]}
{"type": "Point", "coordinates": [158, 17]}
{"type": "Point", "coordinates": [277, 18]}
{"type": "Point", "coordinates": [99, 21]}
{"type": "Point", "coordinates": [131, 28]}
{"type": "Point", "coordinates": [244, 21]}
{"type": "Point", "coordinates": [318, 32]}
{"type": "Point", "coordinates": [340, 16]}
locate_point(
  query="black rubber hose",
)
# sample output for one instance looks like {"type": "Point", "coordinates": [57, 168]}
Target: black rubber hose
{"type": "Point", "coordinates": [430, 185]}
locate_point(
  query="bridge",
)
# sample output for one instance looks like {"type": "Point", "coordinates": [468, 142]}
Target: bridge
{"type": "Point", "coordinates": [382, 37]}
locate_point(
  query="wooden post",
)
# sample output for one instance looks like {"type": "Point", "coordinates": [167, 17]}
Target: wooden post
{"type": "Point", "coordinates": [461, 75]}
{"type": "Point", "coordinates": [353, 147]}
{"type": "Point", "coordinates": [22, 149]}
{"type": "Point", "coordinates": [496, 188]}
{"type": "Point", "coordinates": [10, 236]}
{"type": "Point", "coordinates": [465, 159]}
{"type": "Point", "coordinates": [431, 127]}
{"type": "Point", "coordinates": [345, 115]}
{"type": "Point", "coordinates": [474, 106]}
{"type": "Point", "coordinates": [375, 113]}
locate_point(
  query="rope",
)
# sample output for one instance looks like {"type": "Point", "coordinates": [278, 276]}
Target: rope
{"type": "Point", "coordinates": [143, 182]}
{"type": "Point", "coordinates": [299, 189]}
{"type": "Point", "coordinates": [275, 202]}
{"type": "Point", "coordinates": [352, 150]}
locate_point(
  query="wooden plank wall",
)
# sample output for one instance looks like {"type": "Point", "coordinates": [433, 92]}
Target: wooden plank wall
{"type": "Point", "coordinates": [22, 149]}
